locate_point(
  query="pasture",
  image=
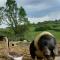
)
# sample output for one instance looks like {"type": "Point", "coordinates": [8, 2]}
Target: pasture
{"type": "Point", "coordinates": [21, 27]}
{"type": "Point", "coordinates": [19, 47]}
{"type": "Point", "coordinates": [31, 35]}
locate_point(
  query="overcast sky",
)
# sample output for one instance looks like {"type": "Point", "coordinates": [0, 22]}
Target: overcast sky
{"type": "Point", "coordinates": [39, 10]}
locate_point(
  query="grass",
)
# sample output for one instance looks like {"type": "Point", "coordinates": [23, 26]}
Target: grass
{"type": "Point", "coordinates": [31, 35]}
{"type": "Point", "coordinates": [56, 34]}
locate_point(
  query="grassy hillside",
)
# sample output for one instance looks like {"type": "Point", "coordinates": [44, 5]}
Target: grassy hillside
{"type": "Point", "coordinates": [34, 30]}
{"type": "Point", "coordinates": [31, 35]}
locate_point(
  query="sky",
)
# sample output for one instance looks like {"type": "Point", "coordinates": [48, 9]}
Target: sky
{"type": "Point", "coordinates": [39, 10]}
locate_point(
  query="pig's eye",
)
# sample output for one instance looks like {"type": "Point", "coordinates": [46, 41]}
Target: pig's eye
{"type": "Point", "coordinates": [44, 43]}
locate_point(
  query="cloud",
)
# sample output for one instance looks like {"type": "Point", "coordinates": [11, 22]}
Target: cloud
{"type": "Point", "coordinates": [2, 3]}
{"type": "Point", "coordinates": [41, 10]}
{"type": "Point", "coordinates": [51, 16]}
{"type": "Point", "coordinates": [36, 10]}
{"type": "Point", "coordinates": [39, 19]}
{"type": "Point", "coordinates": [38, 7]}
{"type": "Point", "coordinates": [55, 15]}
{"type": "Point", "coordinates": [35, 2]}
{"type": "Point", "coordinates": [3, 26]}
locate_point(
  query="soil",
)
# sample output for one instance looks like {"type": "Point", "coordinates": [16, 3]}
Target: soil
{"type": "Point", "coordinates": [22, 49]}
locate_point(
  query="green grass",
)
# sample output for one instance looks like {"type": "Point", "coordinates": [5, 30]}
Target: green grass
{"type": "Point", "coordinates": [56, 34]}
{"type": "Point", "coordinates": [31, 35]}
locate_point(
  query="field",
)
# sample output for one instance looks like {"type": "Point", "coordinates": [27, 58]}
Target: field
{"type": "Point", "coordinates": [21, 48]}
{"type": "Point", "coordinates": [32, 34]}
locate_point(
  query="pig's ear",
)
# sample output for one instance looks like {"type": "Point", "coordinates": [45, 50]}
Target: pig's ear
{"type": "Point", "coordinates": [55, 51]}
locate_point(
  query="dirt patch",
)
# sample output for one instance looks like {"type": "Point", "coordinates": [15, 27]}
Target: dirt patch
{"type": "Point", "coordinates": [57, 58]}
{"type": "Point", "coordinates": [22, 49]}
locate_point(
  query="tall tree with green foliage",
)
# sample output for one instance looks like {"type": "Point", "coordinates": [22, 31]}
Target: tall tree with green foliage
{"type": "Point", "coordinates": [22, 15]}
{"type": "Point", "coordinates": [11, 14]}
{"type": "Point", "coordinates": [1, 14]}
{"type": "Point", "coordinates": [15, 17]}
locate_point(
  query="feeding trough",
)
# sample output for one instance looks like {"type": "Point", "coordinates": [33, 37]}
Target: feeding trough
{"type": "Point", "coordinates": [15, 56]}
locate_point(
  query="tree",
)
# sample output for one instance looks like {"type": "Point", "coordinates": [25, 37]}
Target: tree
{"type": "Point", "coordinates": [22, 15]}
{"type": "Point", "coordinates": [1, 14]}
{"type": "Point", "coordinates": [11, 14]}
{"type": "Point", "coordinates": [14, 16]}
